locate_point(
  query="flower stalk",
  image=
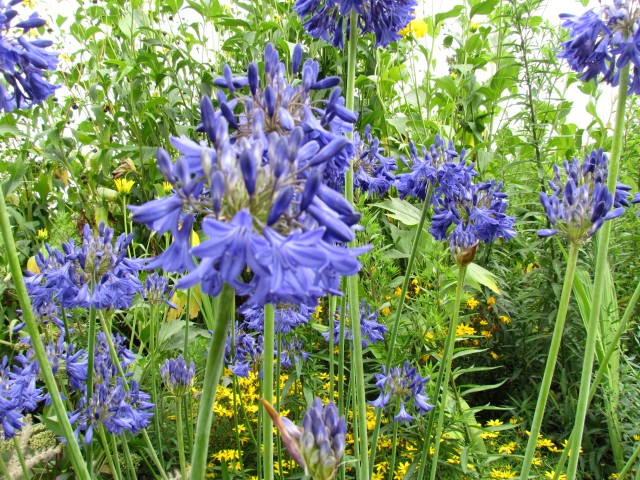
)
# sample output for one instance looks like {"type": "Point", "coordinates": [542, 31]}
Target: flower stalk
{"type": "Point", "coordinates": [213, 372]}
{"type": "Point", "coordinates": [598, 284]}
{"type": "Point", "coordinates": [73, 450]}
{"type": "Point", "coordinates": [552, 357]}
{"type": "Point", "coordinates": [267, 389]}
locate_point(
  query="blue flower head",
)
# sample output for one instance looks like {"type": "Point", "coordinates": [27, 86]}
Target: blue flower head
{"type": "Point", "coordinates": [97, 273]}
{"type": "Point", "coordinates": [23, 60]}
{"type": "Point", "coordinates": [603, 41]}
{"type": "Point", "coordinates": [577, 208]}
{"type": "Point", "coordinates": [373, 172]}
{"type": "Point", "coordinates": [400, 386]}
{"type": "Point", "coordinates": [326, 18]}
{"type": "Point", "coordinates": [372, 330]}
{"type": "Point", "coordinates": [177, 375]}
{"type": "Point", "coordinates": [257, 188]}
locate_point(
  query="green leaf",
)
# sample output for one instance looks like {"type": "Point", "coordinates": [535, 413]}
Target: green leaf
{"type": "Point", "coordinates": [483, 8]}
{"type": "Point", "coordinates": [453, 13]}
{"type": "Point", "coordinates": [482, 276]}
{"type": "Point", "coordinates": [401, 210]}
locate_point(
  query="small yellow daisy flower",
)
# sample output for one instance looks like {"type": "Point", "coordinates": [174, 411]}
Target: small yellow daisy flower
{"type": "Point", "coordinates": [123, 185]}
{"type": "Point", "coordinates": [417, 27]}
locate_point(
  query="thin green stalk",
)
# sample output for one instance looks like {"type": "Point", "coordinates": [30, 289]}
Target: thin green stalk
{"type": "Point", "coordinates": [392, 465]}
{"type": "Point", "coordinates": [213, 372]}
{"type": "Point", "coordinates": [630, 462]}
{"type": "Point", "coordinates": [23, 465]}
{"type": "Point", "coordinates": [332, 308]}
{"type": "Point", "coordinates": [127, 455]}
{"type": "Point", "coordinates": [91, 344]}
{"type": "Point", "coordinates": [278, 392]}
{"type": "Point", "coordinates": [396, 321]}
{"type": "Point", "coordinates": [115, 467]}
{"type": "Point", "coordinates": [267, 390]}
{"type": "Point", "coordinates": [598, 284]}
{"type": "Point", "coordinates": [185, 348]}
{"type": "Point", "coordinates": [153, 336]}
{"type": "Point", "coordinates": [341, 376]}
{"type": "Point", "coordinates": [180, 433]}
{"type": "Point", "coordinates": [445, 375]}
{"type": "Point", "coordinates": [552, 357]}
{"type": "Point", "coordinates": [72, 450]}
{"type": "Point", "coordinates": [4, 469]}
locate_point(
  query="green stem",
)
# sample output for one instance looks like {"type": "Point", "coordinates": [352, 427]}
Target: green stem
{"type": "Point", "coordinates": [396, 321]}
{"type": "Point", "coordinates": [115, 467]}
{"type": "Point", "coordinates": [72, 450]}
{"type": "Point", "coordinates": [179, 432]}
{"type": "Point", "coordinates": [153, 337]}
{"type": "Point", "coordinates": [552, 357]}
{"type": "Point", "coordinates": [341, 353]}
{"type": "Point", "coordinates": [392, 465]}
{"type": "Point", "coordinates": [630, 463]}
{"type": "Point", "coordinates": [4, 469]}
{"type": "Point", "coordinates": [185, 353]}
{"type": "Point", "coordinates": [127, 455]}
{"type": "Point", "coordinates": [332, 309]}
{"type": "Point", "coordinates": [213, 372]}
{"type": "Point", "coordinates": [278, 399]}
{"type": "Point", "coordinates": [445, 375]}
{"type": "Point", "coordinates": [600, 277]}
{"type": "Point", "coordinates": [267, 389]}
{"type": "Point", "coordinates": [23, 465]}
{"type": "Point", "coordinates": [91, 344]}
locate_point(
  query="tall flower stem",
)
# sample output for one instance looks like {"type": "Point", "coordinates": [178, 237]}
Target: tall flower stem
{"type": "Point", "coordinates": [212, 374]}
{"type": "Point", "coordinates": [444, 375]}
{"type": "Point", "coordinates": [552, 357]}
{"type": "Point", "coordinates": [352, 282]}
{"type": "Point", "coordinates": [267, 390]}
{"type": "Point", "coordinates": [392, 465]}
{"type": "Point", "coordinates": [330, 314]}
{"type": "Point", "coordinates": [180, 433]}
{"type": "Point", "coordinates": [396, 321]}
{"type": "Point", "coordinates": [72, 450]}
{"type": "Point", "coordinates": [341, 354]}
{"type": "Point", "coordinates": [598, 283]}
{"type": "Point", "coordinates": [91, 344]}
{"type": "Point", "coordinates": [604, 365]}
{"type": "Point", "coordinates": [153, 337]}
{"type": "Point", "coordinates": [630, 462]}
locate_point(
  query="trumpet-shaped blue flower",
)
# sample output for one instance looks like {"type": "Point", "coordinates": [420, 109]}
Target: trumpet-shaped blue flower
{"type": "Point", "coordinates": [23, 60]}
{"type": "Point", "coordinates": [372, 330]}
{"type": "Point", "coordinates": [177, 375]}
{"type": "Point", "coordinates": [385, 18]}
{"type": "Point", "coordinates": [400, 386]}
{"type": "Point", "coordinates": [373, 172]}
{"type": "Point", "coordinates": [604, 40]}
{"type": "Point", "coordinates": [579, 207]}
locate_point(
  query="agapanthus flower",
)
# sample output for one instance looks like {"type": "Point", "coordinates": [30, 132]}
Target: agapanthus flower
{"type": "Point", "coordinates": [156, 290]}
{"type": "Point", "coordinates": [399, 387]}
{"type": "Point", "coordinates": [283, 101]}
{"type": "Point", "coordinates": [604, 40]}
{"type": "Point", "coordinates": [440, 166]}
{"type": "Point", "coordinates": [291, 352]}
{"type": "Point", "coordinates": [272, 224]}
{"type": "Point", "coordinates": [96, 274]}
{"type": "Point", "coordinates": [23, 60]}
{"type": "Point", "coordinates": [177, 375]}
{"type": "Point", "coordinates": [373, 172]}
{"type": "Point", "coordinates": [242, 349]}
{"type": "Point", "coordinates": [385, 18]}
{"type": "Point", "coordinates": [319, 445]}
{"type": "Point", "coordinates": [577, 208]}
{"type": "Point", "coordinates": [371, 330]}
{"type": "Point", "coordinates": [287, 317]}
{"type": "Point", "coordinates": [116, 403]}
{"type": "Point", "coordinates": [18, 395]}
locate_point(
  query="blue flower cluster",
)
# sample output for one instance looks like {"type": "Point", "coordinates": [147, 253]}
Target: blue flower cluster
{"type": "Point", "coordinates": [604, 40]}
{"type": "Point", "coordinates": [116, 403]}
{"type": "Point", "coordinates": [18, 396]}
{"type": "Point", "coordinates": [23, 61]}
{"type": "Point", "coordinates": [372, 330]}
{"type": "Point", "coordinates": [385, 18]}
{"type": "Point", "coordinates": [439, 163]}
{"type": "Point", "coordinates": [156, 290]}
{"type": "Point", "coordinates": [373, 172]}
{"type": "Point", "coordinates": [177, 375]}
{"type": "Point", "coordinates": [580, 206]}
{"type": "Point", "coordinates": [95, 274]}
{"type": "Point", "coordinates": [271, 221]}
{"type": "Point", "coordinates": [402, 385]}
{"type": "Point", "coordinates": [241, 350]}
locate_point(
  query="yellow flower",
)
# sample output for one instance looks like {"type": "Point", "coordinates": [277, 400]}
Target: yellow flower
{"type": "Point", "coordinates": [42, 234]}
{"type": "Point", "coordinates": [123, 185]}
{"type": "Point", "coordinates": [429, 336]}
{"type": "Point", "coordinates": [387, 298]}
{"type": "Point", "coordinates": [167, 187]}
{"type": "Point", "coordinates": [385, 311]}
{"type": "Point", "coordinates": [487, 435]}
{"type": "Point", "coordinates": [397, 292]}
{"type": "Point", "coordinates": [491, 301]}
{"type": "Point", "coordinates": [472, 303]}
{"type": "Point", "coordinates": [401, 470]}
{"type": "Point", "coordinates": [494, 355]}
{"type": "Point", "coordinates": [382, 467]}
{"type": "Point", "coordinates": [500, 473]}
{"type": "Point", "coordinates": [417, 27]}
{"type": "Point", "coordinates": [474, 26]}
{"type": "Point", "coordinates": [486, 334]}
{"type": "Point", "coordinates": [513, 420]}
{"type": "Point", "coordinates": [494, 423]}
{"type": "Point", "coordinates": [613, 476]}
{"type": "Point", "coordinates": [464, 329]}
{"type": "Point", "coordinates": [507, 448]}
{"type": "Point", "coordinates": [504, 319]}
{"type": "Point", "coordinates": [545, 442]}
{"type": "Point", "coordinates": [536, 462]}
{"type": "Point", "coordinates": [636, 437]}
{"type": "Point", "coordinates": [551, 474]}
